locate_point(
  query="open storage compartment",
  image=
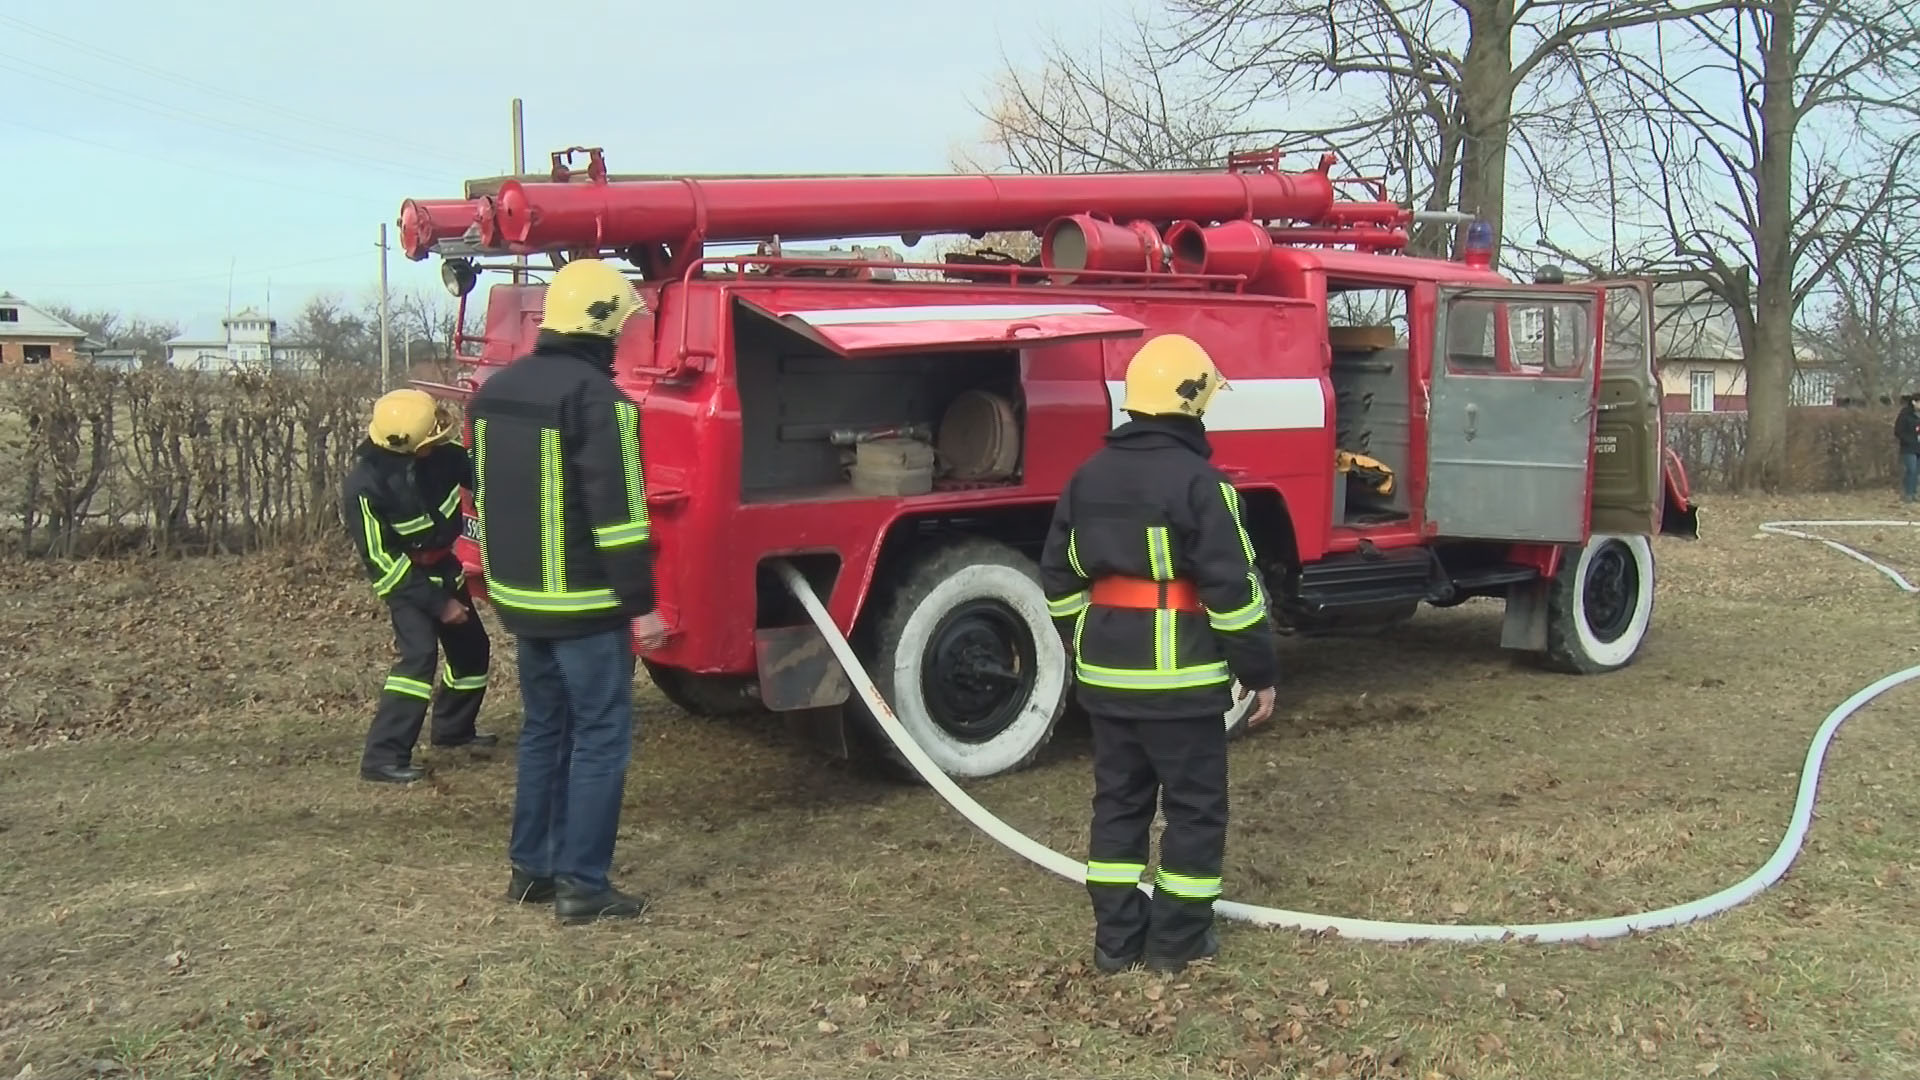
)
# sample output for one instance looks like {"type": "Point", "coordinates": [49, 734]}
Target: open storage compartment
{"type": "Point", "coordinates": [864, 402]}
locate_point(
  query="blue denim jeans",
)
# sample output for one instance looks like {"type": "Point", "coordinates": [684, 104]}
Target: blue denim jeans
{"type": "Point", "coordinates": [576, 737]}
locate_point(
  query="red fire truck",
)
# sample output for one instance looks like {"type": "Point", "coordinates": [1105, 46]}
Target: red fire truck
{"type": "Point", "coordinates": [1403, 430]}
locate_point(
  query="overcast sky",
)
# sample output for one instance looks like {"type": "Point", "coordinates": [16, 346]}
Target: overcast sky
{"type": "Point", "coordinates": [150, 147]}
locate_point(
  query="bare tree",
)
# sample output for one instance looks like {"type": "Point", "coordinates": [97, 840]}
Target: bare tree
{"type": "Point", "coordinates": [148, 337]}
{"type": "Point", "coordinates": [1115, 109]}
{"type": "Point", "coordinates": [338, 337]}
{"type": "Point", "coordinates": [1870, 327]}
{"type": "Point", "coordinates": [423, 321]}
{"type": "Point", "coordinates": [1132, 103]}
{"type": "Point", "coordinates": [1757, 149]}
{"type": "Point", "coordinates": [1445, 88]}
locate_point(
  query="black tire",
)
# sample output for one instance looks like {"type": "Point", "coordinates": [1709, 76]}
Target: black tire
{"type": "Point", "coordinates": [961, 646]}
{"type": "Point", "coordinates": [1600, 605]}
{"type": "Point", "coordinates": [712, 696]}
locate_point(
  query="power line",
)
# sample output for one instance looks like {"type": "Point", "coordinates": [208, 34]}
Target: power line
{"type": "Point", "coordinates": [278, 185]}
{"type": "Point", "coordinates": [195, 277]}
{"type": "Point", "coordinates": [230, 96]}
{"type": "Point", "coordinates": [125, 98]}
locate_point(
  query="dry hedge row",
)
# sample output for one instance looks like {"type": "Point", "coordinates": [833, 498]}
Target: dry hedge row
{"type": "Point", "coordinates": [1828, 449]}
{"type": "Point", "coordinates": [175, 462]}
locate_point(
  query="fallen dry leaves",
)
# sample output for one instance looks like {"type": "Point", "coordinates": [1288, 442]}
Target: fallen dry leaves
{"type": "Point", "coordinates": [825, 923]}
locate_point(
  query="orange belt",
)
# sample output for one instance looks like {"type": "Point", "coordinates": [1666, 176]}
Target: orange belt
{"type": "Point", "coordinates": [1142, 594]}
{"type": "Point", "coordinates": [428, 558]}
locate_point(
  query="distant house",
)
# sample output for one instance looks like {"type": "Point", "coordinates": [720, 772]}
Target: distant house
{"type": "Point", "coordinates": [31, 337]}
{"type": "Point", "coordinates": [1702, 367]}
{"type": "Point", "coordinates": [96, 353]}
{"type": "Point", "coordinates": [248, 341]}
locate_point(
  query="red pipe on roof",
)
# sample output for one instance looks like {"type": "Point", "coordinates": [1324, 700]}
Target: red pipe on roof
{"type": "Point", "coordinates": [544, 216]}
{"type": "Point", "coordinates": [539, 216]}
{"type": "Point", "coordinates": [426, 222]}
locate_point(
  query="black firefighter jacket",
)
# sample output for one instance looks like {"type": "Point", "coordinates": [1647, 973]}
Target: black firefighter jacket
{"type": "Point", "coordinates": [1150, 505]}
{"type": "Point", "coordinates": [396, 504]}
{"type": "Point", "coordinates": [562, 506]}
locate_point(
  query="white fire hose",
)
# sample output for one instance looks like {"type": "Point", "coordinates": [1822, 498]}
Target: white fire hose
{"type": "Point", "coordinates": [1377, 929]}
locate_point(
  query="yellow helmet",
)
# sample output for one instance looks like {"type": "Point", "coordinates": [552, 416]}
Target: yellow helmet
{"type": "Point", "coordinates": [589, 296]}
{"type": "Point", "coordinates": [1171, 375]}
{"type": "Point", "coordinates": [408, 421]}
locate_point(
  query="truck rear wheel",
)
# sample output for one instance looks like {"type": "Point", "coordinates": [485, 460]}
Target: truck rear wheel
{"type": "Point", "coordinates": [1600, 605]}
{"type": "Point", "coordinates": [967, 657]}
{"type": "Point", "coordinates": [703, 695]}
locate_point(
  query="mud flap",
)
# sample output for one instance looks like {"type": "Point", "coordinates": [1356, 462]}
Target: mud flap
{"type": "Point", "coordinates": [1525, 625]}
{"type": "Point", "coordinates": [825, 730]}
{"type": "Point", "coordinates": [803, 681]}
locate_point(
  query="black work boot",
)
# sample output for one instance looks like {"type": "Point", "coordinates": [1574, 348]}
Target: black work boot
{"type": "Point", "coordinates": [475, 741]}
{"type": "Point", "coordinates": [1174, 965]}
{"type": "Point", "coordinates": [392, 774]}
{"type": "Point", "coordinates": [574, 905]}
{"type": "Point", "coordinates": [525, 888]}
{"type": "Point", "coordinates": [1108, 964]}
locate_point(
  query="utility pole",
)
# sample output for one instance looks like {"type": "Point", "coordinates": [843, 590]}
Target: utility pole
{"type": "Point", "coordinates": [386, 352]}
{"type": "Point", "coordinates": [519, 169]}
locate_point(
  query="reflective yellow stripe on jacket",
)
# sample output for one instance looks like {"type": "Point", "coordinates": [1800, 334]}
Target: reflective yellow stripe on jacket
{"type": "Point", "coordinates": [553, 596]}
{"type": "Point", "coordinates": [1167, 673]}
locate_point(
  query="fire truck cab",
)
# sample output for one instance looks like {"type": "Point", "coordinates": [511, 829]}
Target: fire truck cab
{"type": "Point", "coordinates": [1403, 430]}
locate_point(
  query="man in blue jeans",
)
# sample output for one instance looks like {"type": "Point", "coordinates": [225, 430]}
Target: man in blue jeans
{"type": "Point", "coordinates": [567, 555]}
{"type": "Point", "coordinates": [1906, 431]}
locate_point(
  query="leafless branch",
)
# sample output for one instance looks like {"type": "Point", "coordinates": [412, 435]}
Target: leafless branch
{"type": "Point", "coordinates": [1776, 140]}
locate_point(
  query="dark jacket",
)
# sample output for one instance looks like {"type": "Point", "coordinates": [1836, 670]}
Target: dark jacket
{"type": "Point", "coordinates": [1150, 505]}
{"type": "Point", "coordinates": [562, 506]}
{"type": "Point", "coordinates": [1906, 429]}
{"type": "Point", "coordinates": [395, 505]}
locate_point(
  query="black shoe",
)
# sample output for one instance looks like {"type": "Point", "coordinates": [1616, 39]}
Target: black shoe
{"type": "Point", "coordinates": [525, 888]}
{"type": "Point", "coordinates": [392, 774]}
{"type": "Point", "coordinates": [1108, 964]}
{"type": "Point", "coordinates": [574, 905]}
{"type": "Point", "coordinates": [1174, 965]}
{"type": "Point", "coordinates": [474, 742]}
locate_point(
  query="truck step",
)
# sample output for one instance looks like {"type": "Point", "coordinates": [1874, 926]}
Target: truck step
{"type": "Point", "coordinates": [1347, 581]}
{"type": "Point", "coordinates": [1487, 577]}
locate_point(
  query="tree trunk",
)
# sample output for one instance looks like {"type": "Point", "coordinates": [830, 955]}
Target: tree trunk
{"type": "Point", "coordinates": [1770, 364]}
{"type": "Point", "coordinates": [1486, 99]}
{"type": "Point", "coordinates": [1432, 239]}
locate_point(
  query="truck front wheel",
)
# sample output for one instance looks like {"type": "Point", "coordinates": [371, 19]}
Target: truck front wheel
{"type": "Point", "coordinates": [967, 657]}
{"type": "Point", "coordinates": [1600, 605]}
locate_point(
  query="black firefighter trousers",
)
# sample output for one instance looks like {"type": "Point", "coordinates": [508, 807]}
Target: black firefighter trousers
{"type": "Point", "coordinates": [1184, 763]}
{"type": "Point", "coordinates": [408, 693]}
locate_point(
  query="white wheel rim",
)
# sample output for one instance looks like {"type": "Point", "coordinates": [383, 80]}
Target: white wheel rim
{"type": "Point", "coordinates": [1017, 741]}
{"type": "Point", "coordinates": [1621, 649]}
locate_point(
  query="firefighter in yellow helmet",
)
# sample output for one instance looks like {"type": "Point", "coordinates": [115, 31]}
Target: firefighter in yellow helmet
{"type": "Point", "coordinates": [401, 506]}
{"type": "Point", "coordinates": [1150, 575]}
{"type": "Point", "coordinates": [562, 506]}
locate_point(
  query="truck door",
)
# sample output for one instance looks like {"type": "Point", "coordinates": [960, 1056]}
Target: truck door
{"type": "Point", "coordinates": [1510, 413]}
{"type": "Point", "coordinates": [1626, 441]}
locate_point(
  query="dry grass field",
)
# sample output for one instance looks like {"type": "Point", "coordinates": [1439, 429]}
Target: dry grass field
{"type": "Point", "coordinates": [197, 884]}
